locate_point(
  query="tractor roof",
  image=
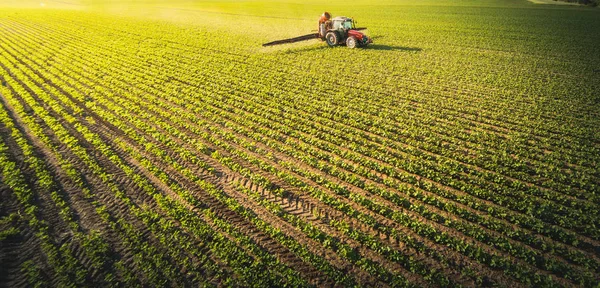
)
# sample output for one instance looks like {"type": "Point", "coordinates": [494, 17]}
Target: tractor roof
{"type": "Point", "coordinates": [340, 18]}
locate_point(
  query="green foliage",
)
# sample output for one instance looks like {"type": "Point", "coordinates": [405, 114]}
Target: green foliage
{"type": "Point", "coordinates": [171, 149]}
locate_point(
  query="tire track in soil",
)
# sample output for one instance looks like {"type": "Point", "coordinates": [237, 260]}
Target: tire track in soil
{"type": "Point", "coordinates": [380, 139]}
{"type": "Point", "coordinates": [588, 247]}
{"type": "Point", "coordinates": [381, 176]}
{"type": "Point", "coordinates": [229, 183]}
{"type": "Point", "coordinates": [358, 225]}
{"type": "Point", "coordinates": [220, 209]}
{"type": "Point", "coordinates": [588, 242]}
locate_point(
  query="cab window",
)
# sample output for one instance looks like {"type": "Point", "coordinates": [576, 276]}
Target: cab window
{"type": "Point", "coordinates": [337, 25]}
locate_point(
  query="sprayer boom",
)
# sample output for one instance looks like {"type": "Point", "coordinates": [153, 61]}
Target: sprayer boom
{"type": "Point", "coordinates": [292, 40]}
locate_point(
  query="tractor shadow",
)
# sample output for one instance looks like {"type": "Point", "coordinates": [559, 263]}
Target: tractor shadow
{"type": "Point", "coordinates": [376, 46]}
{"type": "Point", "coordinates": [392, 48]}
{"type": "Point", "coordinates": [305, 49]}
{"type": "Point", "coordinates": [369, 47]}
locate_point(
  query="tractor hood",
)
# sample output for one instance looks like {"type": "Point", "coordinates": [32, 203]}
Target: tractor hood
{"type": "Point", "coordinates": [361, 37]}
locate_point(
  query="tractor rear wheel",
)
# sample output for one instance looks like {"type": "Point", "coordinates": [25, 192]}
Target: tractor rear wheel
{"type": "Point", "coordinates": [351, 42]}
{"type": "Point", "coordinates": [331, 38]}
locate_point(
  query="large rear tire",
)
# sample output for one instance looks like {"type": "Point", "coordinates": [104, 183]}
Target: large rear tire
{"type": "Point", "coordinates": [351, 42]}
{"type": "Point", "coordinates": [331, 38]}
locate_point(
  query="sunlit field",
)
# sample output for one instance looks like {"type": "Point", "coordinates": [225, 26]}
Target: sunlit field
{"type": "Point", "coordinates": [159, 144]}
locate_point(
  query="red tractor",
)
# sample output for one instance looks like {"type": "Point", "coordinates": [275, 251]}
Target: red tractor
{"type": "Point", "coordinates": [336, 31]}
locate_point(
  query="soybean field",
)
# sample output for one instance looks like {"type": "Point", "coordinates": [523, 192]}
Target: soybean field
{"type": "Point", "coordinates": [158, 144]}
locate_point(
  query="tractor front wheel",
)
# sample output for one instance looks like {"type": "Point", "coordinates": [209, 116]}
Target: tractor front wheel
{"type": "Point", "coordinates": [331, 38]}
{"type": "Point", "coordinates": [351, 42]}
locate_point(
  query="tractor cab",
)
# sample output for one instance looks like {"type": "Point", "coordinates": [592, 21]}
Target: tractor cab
{"type": "Point", "coordinates": [342, 23]}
